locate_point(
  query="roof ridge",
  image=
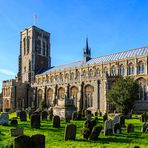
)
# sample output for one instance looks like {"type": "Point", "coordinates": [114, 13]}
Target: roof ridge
{"type": "Point", "coordinates": [119, 52]}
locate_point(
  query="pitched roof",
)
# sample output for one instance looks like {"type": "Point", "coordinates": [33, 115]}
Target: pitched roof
{"type": "Point", "coordinates": [102, 59]}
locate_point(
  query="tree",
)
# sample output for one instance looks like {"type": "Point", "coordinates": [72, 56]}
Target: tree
{"type": "Point", "coordinates": [123, 94]}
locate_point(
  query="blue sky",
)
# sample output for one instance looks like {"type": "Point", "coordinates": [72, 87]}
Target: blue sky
{"type": "Point", "coordinates": [111, 26]}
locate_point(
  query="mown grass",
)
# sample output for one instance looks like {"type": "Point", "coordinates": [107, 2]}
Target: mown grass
{"type": "Point", "coordinates": [55, 137]}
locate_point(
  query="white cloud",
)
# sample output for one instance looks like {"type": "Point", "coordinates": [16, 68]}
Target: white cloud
{"type": "Point", "coordinates": [7, 72]}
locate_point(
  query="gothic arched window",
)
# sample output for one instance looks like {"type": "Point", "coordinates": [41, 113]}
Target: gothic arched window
{"type": "Point", "coordinates": [122, 70]}
{"type": "Point", "coordinates": [131, 69]}
{"type": "Point", "coordinates": [140, 67]}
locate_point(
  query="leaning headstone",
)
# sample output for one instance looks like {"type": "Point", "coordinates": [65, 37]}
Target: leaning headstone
{"type": "Point", "coordinates": [108, 128]}
{"type": "Point", "coordinates": [23, 116]}
{"type": "Point", "coordinates": [4, 118]}
{"type": "Point", "coordinates": [22, 142]}
{"type": "Point", "coordinates": [130, 128]}
{"type": "Point", "coordinates": [35, 121]}
{"type": "Point", "coordinates": [117, 128]}
{"type": "Point", "coordinates": [56, 121]}
{"type": "Point", "coordinates": [44, 115]}
{"type": "Point", "coordinates": [70, 132]}
{"type": "Point", "coordinates": [116, 119]}
{"type": "Point", "coordinates": [144, 127]}
{"type": "Point", "coordinates": [122, 120]}
{"type": "Point", "coordinates": [37, 141]}
{"type": "Point", "coordinates": [15, 132]}
{"type": "Point", "coordinates": [14, 122]}
{"type": "Point", "coordinates": [95, 133]}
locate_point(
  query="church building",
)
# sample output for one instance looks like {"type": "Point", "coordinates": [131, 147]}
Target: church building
{"type": "Point", "coordinates": [86, 81]}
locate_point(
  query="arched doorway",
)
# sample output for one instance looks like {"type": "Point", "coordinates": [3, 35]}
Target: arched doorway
{"type": "Point", "coordinates": [40, 95]}
{"type": "Point", "coordinates": [49, 100]}
{"type": "Point", "coordinates": [142, 89]}
{"type": "Point", "coordinates": [88, 96]}
{"type": "Point", "coordinates": [74, 94]}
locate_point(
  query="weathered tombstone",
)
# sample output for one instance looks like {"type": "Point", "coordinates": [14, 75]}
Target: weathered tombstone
{"type": "Point", "coordinates": [122, 120]}
{"type": "Point", "coordinates": [116, 119]}
{"type": "Point", "coordinates": [70, 132]}
{"type": "Point", "coordinates": [144, 127]}
{"type": "Point", "coordinates": [23, 116]}
{"type": "Point", "coordinates": [50, 116]}
{"type": "Point", "coordinates": [96, 113]}
{"type": "Point", "coordinates": [14, 122]}
{"type": "Point", "coordinates": [4, 118]}
{"type": "Point", "coordinates": [30, 112]}
{"type": "Point", "coordinates": [44, 115]}
{"type": "Point", "coordinates": [74, 115]}
{"type": "Point", "coordinates": [35, 121]}
{"type": "Point", "coordinates": [15, 132]}
{"type": "Point", "coordinates": [105, 117]}
{"type": "Point", "coordinates": [88, 112]}
{"type": "Point", "coordinates": [100, 114]}
{"type": "Point", "coordinates": [95, 133]}
{"type": "Point", "coordinates": [56, 121]}
{"type": "Point", "coordinates": [37, 141]}
{"type": "Point", "coordinates": [117, 128]}
{"type": "Point", "coordinates": [22, 142]}
{"type": "Point", "coordinates": [144, 117]}
{"type": "Point", "coordinates": [130, 128]}
{"type": "Point", "coordinates": [18, 112]}
{"type": "Point", "coordinates": [79, 115]}
{"type": "Point", "coordinates": [108, 128]}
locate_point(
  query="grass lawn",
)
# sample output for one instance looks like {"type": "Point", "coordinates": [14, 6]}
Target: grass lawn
{"type": "Point", "coordinates": [55, 137]}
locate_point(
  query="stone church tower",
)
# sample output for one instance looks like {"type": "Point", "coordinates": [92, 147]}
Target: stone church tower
{"type": "Point", "coordinates": [34, 53]}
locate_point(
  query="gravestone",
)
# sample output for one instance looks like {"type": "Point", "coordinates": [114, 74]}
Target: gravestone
{"type": "Point", "coordinates": [130, 128]}
{"type": "Point", "coordinates": [96, 113]}
{"type": "Point", "coordinates": [122, 120]}
{"type": "Point", "coordinates": [117, 128]}
{"type": "Point", "coordinates": [105, 117]}
{"type": "Point", "coordinates": [88, 117]}
{"type": "Point", "coordinates": [14, 122]}
{"type": "Point", "coordinates": [116, 119]}
{"type": "Point", "coordinates": [23, 116]}
{"type": "Point", "coordinates": [144, 117]}
{"type": "Point", "coordinates": [30, 112]}
{"type": "Point", "coordinates": [44, 115]}
{"type": "Point", "coordinates": [56, 121]}
{"type": "Point", "coordinates": [35, 121]}
{"type": "Point", "coordinates": [74, 115]}
{"type": "Point", "coordinates": [15, 132]}
{"type": "Point", "coordinates": [18, 112]}
{"type": "Point", "coordinates": [79, 115]}
{"type": "Point", "coordinates": [108, 128]}
{"type": "Point", "coordinates": [4, 118]}
{"type": "Point", "coordinates": [70, 132]}
{"type": "Point", "coordinates": [95, 133]}
{"type": "Point", "coordinates": [144, 127]}
{"type": "Point", "coordinates": [87, 112]}
{"type": "Point", "coordinates": [22, 142]}
{"type": "Point", "coordinates": [37, 141]}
